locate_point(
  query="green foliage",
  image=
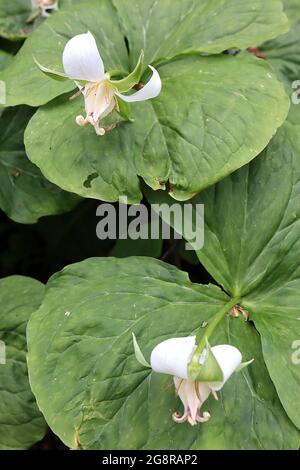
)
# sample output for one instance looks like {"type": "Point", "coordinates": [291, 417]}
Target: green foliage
{"type": "Point", "coordinates": [25, 195]}
{"type": "Point", "coordinates": [21, 423]}
{"type": "Point", "coordinates": [185, 145]}
{"type": "Point", "coordinates": [257, 261]}
{"type": "Point", "coordinates": [222, 133]}
{"type": "Point", "coordinates": [102, 397]}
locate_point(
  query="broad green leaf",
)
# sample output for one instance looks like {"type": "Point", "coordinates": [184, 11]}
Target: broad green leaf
{"type": "Point", "coordinates": [252, 248]}
{"type": "Point", "coordinates": [21, 423]}
{"type": "Point", "coordinates": [167, 28]}
{"type": "Point", "coordinates": [101, 397]}
{"type": "Point", "coordinates": [25, 195]}
{"type": "Point", "coordinates": [276, 316]}
{"type": "Point", "coordinates": [183, 144]}
{"type": "Point", "coordinates": [75, 157]}
{"type": "Point", "coordinates": [5, 59]}
{"type": "Point", "coordinates": [284, 52]}
{"type": "Point", "coordinates": [26, 84]}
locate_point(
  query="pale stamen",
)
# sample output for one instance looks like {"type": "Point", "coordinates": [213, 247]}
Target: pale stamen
{"type": "Point", "coordinates": [180, 419]}
{"type": "Point", "coordinates": [204, 418]}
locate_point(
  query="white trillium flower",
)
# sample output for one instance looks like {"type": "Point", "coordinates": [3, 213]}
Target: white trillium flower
{"type": "Point", "coordinates": [173, 357]}
{"type": "Point", "coordinates": [45, 6]}
{"type": "Point", "coordinates": [83, 64]}
{"type": "Point", "coordinates": [82, 61]}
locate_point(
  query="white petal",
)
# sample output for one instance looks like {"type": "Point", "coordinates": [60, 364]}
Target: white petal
{"type": "Point", "coordinates": [192, 400]}
{"type": "Point", "coordinates": [229, 359]}
{"type": "Point", "coordinates": [173, 355]}
{"type": "Point", "coordinates": [81, 59]}
{"type": "Point", "coordinates": [192, 395]}
{"type": "Point", "coordinates": [150, 90]}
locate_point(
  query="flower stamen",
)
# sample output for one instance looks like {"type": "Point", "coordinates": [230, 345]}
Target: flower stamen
{"type": "Point", "coordinates": [180, 419]}
{"type": "Point", "coordinates": [204, 418]}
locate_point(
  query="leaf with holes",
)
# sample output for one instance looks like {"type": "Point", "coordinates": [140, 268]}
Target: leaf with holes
{"type": "Point", "coordinates": [5, 59]}
{"type": "Point", "coordinates": [183, 145]}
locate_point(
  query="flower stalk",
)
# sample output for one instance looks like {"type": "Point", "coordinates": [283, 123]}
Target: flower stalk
{"type": "Point", "coordinates": [194, 367]}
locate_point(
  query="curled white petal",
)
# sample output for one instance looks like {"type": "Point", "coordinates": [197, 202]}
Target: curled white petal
{"type": "Point", "coordinates": [192, 395]}
{"type": "Point", "coordinates": [173, 355]}
{"type": "Point", "coordinates": [149, 91]}
{"type": "Point", "coordinates": [81, 59]}
{"type": "Point", "coordinates": [229, 359]}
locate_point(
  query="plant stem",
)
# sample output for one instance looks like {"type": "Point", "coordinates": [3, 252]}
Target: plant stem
{"type": "Point", "coordinates": [211, 328]}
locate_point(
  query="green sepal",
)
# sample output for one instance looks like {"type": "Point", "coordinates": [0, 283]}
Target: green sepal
{"type": "Point", "coordinates": [132, 79]}
{"type": "Point", "coordinates": [243, 365]}
{"type": "Point", "coordinates": [58, 76]}
{"type": "Point", "coordinates": [138, 353]}
{"type": "Point", "coordinates": [124, 110]}
{"type": "Point", "coordinates": [61, 77]}
{"type": "Point", "coordinates": [209, 371]}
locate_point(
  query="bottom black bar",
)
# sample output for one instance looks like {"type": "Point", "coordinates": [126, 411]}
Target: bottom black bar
{"type": "Point", "coordinates": [133, 459]}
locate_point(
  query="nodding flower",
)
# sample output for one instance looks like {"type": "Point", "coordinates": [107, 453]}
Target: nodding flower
{"type": "Point", "coordinates": [83, 64]}
{"type": "Point", "coordinates": [173, 357]}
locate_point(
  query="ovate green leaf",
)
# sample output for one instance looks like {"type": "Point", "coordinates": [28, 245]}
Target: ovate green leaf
{"type": "Point", "coordinates": [203, 126]}
{"type": "Point", "coordinates": [101, 397]}
{"type": "Point", "coordinates": [252, 248]}
{"type": "Point", "coordinates": [167, 28]}
{"type": "Point", "coordinates": [21, 423]}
